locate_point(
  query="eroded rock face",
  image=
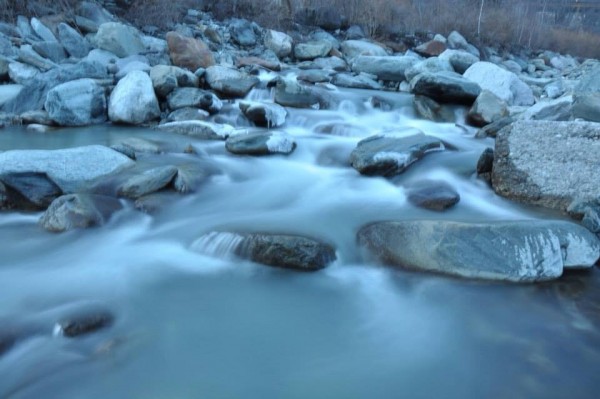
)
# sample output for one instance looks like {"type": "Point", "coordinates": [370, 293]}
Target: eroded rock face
{"type": "Point", "coordinates": [389, 156]}
{"type": "Point", "coordinates": [546, 163]}
{"type": "Point", "coordinates": [522, 251]}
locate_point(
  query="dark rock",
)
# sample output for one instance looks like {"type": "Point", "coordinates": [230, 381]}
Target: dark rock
{"type": "Point", "coordinates": [591, 219]}
{"type": "Point", "coordinates": [290, 93]}
{"type": "Point", "coordinates": [493, 128]}
{"type": "Point", "coordinates": [147, 182]}
{"type": "Point", "coordinates": [547, 163]}
{"type": "Point", "coordinates": [53, 51]}
{"type": "Point", "coordinates": [74, 211]}
{"type": "Point", "coordinates": [432, 110]}
{"type": "Point", "coordinates": [229, 81]}
{"type": "Point", "coordinates": [445, 87]}
{"type": "Point", "coordinates": [72, 41]}
{"type": "Point", "coordinates": [191, 97]}
{"type": "Point", "coordinates": [485, 164]}
{"type": "Point", "coordinates": [389, 156]}
{"type": "Point", "coordinates": [260, 144]}
{"type": "Point", "coordinates": [312, 50]}
{"type": "Point", "coordinates": [84, 324]}
{"type": "Point", "coordinates": [29, 56]}
{"type": "Point", "coordinates": [521, 251]}
{"type": "Point", "coordinates": [264, 114]}
{"type": "Point", "coordinates": [242, 32]}
{"type": "Point", "coordinates": [79, 102]}
{"type": "Point", "coordinates": [433, 195]}
{"type": "Point", "coordinates": [36, 189]}
{"type": "Point", "coordinates": [360, 81]}
{"type": "Point", "coordinates": [190, 176]}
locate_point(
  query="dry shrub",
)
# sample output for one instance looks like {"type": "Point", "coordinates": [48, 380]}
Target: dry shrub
{"type": "Point", "coordinates": [10, 9]}
{"type": "Point", "coordinates": [584, 44]}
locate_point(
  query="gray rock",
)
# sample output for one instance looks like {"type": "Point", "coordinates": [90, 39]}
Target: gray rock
{"type": "Point", "coordinates": [86, 164]}
{"type": "Point", "coordinates": [590, 81]}
{"type": "Point", "coordinates": [389, 156]}
{"type": "Point", "coordinates": [487, 108]}
{"type": "Point", "coordinates": [289, 93]}
{"type": "Point", "coordinates": [188, 114]}
{"type": "Point", "coordinates": [199, 129]}
{"type": "Point", "coordinates": [149, 181]}
{"type": "Point", "coordinates": [72, 41]}
{"type": "Point", "coordinates": [166, 78]}
{"type": "Point", "coordinates": [4, 62]}
{"type": "Point", "coordinates": [29, 56]}
{"type": "Point", "coordinates": [554, 89]}
{"type": "Point", "coordinates": [33, 95]}
{"type": "Point", "coordinates": [192, 97]}
{"type": "Point", "coordinates": [121, 40]}
{"type": "Point", "coordinates": [312, 50]}
{"type": "Point", "coordinates": [522, 251]}
{"type": "Point", "coordinates": [132, 146]}
{"type": "Point", "coordinates": [314, 76]}
{"type": "Point", "coordinates": [547, 163]}
{"type": "Point", "coordinates": [135, 65]}
{"type": "Point", "coordinates": [76, 211]}
{"type": "Point", "coordinates": [42, 31]}
{"type": "Point", "coordinates": [133, 100]}
{"type": "Point", "coordinates": [550, 110]}
{"type": "Point", "coordinates": [353, 48]}
{"type": "Point", "coordinates": [432, 110]}
{"type": "Point", "coordinates": [229, 81]}
{"type": "Point", "coordinates": [587, 106]}
{"type": "Point", "coordinates": [77, 103]}
{"type": "Point", "coordinates": [445, 87]}
{"type": "Point", "coordinates": [278, 42]}
{"type": "Point", "coordinates": [459, 59]}
{"type": "Point", "coordinates": [6, 47]}
{"type": "Point", "coordinates": [331, 63]}
{"type": "Point", "coordinates": [501, 82]}
{"type": "Point", "coordinates": [433, 195]}
{"type": "Point", "coordinates": [591, 220]}
{"type": "Point", "coordinates": [360, 81]}
{"type": "Point", "coordinates": [264, 114]}
{"type": "Point", "coordinates": [260, 144]}
{"type": "Point", "coordinates": [53, 51]}
{"type": "Point", "coordinates": [457, 41]}
{"type": "Point", "coordinates": [493, 128]}
{"type": "Point", "coordinates": [29, 190]}
{"type": "Point", "coordinates": [512, 66]}
{"type": "Point", "coordinates": [22, 73]}
{"type": "Point", "coordinates": [278, 250]}
{"type": "Point", "coordinates": [355, 32]}
{"type": "Point", "coordinates": [432, 64]}
{"type": "Point", "coordinates": [385, 67]}
{"type": "Point", "coordinates": [242, 32]}
{"type": "Point", "coordinates": [8, 93]}
{"type": "Point", "coordinates": [485, 164]}
{"type": "Point", "coordinates": [321, 35]}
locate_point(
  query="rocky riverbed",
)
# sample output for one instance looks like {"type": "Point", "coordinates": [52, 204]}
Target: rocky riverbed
{"type": "Point", "coordinates": [312, 151]}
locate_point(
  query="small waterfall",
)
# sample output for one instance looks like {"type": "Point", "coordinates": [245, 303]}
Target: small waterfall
{"type": "Point", "coordinates": [218, 244]}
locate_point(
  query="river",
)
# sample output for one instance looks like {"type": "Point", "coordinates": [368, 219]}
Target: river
{"type": "Point", "coordinates": [191, 325]}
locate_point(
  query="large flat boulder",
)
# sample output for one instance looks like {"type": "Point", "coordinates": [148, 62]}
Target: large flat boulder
{"type": "Point", "coordinates": [354, 48]}
{"type": "Point", "coordinates": [547, 163]}
{"type": "Point", "coordinates": [72, 169]}
{"type": "Point", "coordinates": [503, 83]}
{"type": "Point", "coordinates": [390, 68]}
{"type": "Point", "coordinates": [518, 251]}
{"type": "Point", "coordinates": [445, 87]}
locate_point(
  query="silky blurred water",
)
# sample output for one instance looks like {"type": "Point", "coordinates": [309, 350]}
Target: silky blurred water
{"type": "Point", "coordinates": [190, 325]}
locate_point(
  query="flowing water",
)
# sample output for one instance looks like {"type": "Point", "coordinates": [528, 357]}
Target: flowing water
{"type": "Point", "coordinates": [193, 324]}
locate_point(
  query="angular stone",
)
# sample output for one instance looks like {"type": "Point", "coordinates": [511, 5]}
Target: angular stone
{"type": "Point", "coordinates": [501, 82]}
{"type": "Point", "coordinates": [312, 50]}
{"type": "Point", "coordinates": [278, 42]}
{"type": "Point", "coordinates": [264, 114]}
{"type": "Point", "coordinates": [53, 51]}
{"type": "Point", "coordinates": [78, 211]}
{"type": "Point", "coordinates": [487, 108]}
{"type": "Point", "coordinates": [192, 97]}
{"type": "Point", "coordinates": [260, 144]}
{"type": "Point", "coordinates": [120, 39]}
{"type": "Point", "coordinates": [445, 87]}
{"type": "Point", "coordinates": [354, 48]}
{"type": "Point", "coordinates": [229, 81]}
{"type": "Point", "coordinates": [560, 109]}
{"type": "Point", "coordinates": [79, 102]}
{"type": "Point", "coordinates": [290, 93]}
{"type": "Point", "coordinates": [390, 68]}
{"type": "Point", "coordinates": [42, 30]}
{"type": "Point", "coordinates": [133, 100]}
{"type": "Point", "coordinates": [29, 190]}
{"type": "Point", "coordinates": [73, 42]}
{"type": "Point", "coordinates": [147, 182]}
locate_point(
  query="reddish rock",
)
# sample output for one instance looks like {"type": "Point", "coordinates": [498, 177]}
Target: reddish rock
{"type": "Point", "coordinates": [432, 48]}
{"type": "Point", "coordinates": [189, 53]}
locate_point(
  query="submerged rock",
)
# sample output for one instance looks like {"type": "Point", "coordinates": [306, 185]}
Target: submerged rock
{"type": "Point", "coordinates": [76, 211]}
{"type": "Point", "coordinates": [260, 144]}
{"type": "Point", "coordinates": [547, 163]}
{"type": "Point", "coordinates": [229, 81]}
{"type": "Point", "coordinates": [433, 195]}
{"type": "Point", "coordinates": [389, 156]}
{"type": "Point", "coordinates": [29, 190]}
{"type": "Point", "coordinates": [521, 251]}
{"type": "Point", "coordinates": [390, 68]}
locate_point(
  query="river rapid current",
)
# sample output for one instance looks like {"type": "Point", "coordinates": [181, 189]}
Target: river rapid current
{"type": "Point", "coordinates": [208, 325]}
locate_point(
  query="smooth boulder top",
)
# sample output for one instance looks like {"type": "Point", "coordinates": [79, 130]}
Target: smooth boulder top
{"type": "Point", "coordinates": [518, 251]}
{"type": "Point", "coordinates": [548, 163]}
{"type": "Point", "coordinates": [71, 169]}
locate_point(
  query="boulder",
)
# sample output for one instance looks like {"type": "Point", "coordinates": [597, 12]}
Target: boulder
{"type": "Point", "coordinates": [84, 323]}
{"type": "Point", "coordinates": [132, 146]}
{"type": "Point", "coordinates": [278, 42]}
{"type": "Point", "coordinates": [242, 32]}
{"type": "Point", "coordinates": [188, 114]}
{"type": "Point", "coordinates": [353, 48]}
{"type": "Point", "coordinates": [22, 73]}
{"type": "Point", "coordinates": [501, 82]}
{"type": "Point", "coordinates": [389, 155]}
{"type": "Point", "coordinates": [85, 165]}
{"type": "Point", "coordinates": [149, 181]}
{"type": "Point", "coordinates": [547, 163]}
{"type": "Point", "coordinates": [278, 250]}
{"type": "Point", "coordinates": [133, 100]}
{"type": "Point", "coordinates": [360, 81]}
{"type": "Point", "coordinates": [459, 59]}
{"type": "Point", "coordinates": [77, 211]}
{"type": "Point", "coordinates": [432, 195]}
{"type": "Point", "coordinates": [121, 40]}
{"type": "Point", "coordinates": [133, 65]}
{"type": "Point", "coordinates": [430, 109]}
{"type": "Point", "coordinates": [518, 251]}
{"type": "Point", "coordinates": [290, 93]}
{"type": "Point", "coordinates": [229, 81]}
{"type": "Point", "coordinates": [264, 114]}
{"type": "Point", "coordinates": [260, 144]}
{"type": "Point", "coordinates": [314, 76]}
{"type": "Point", "coordinates": [312, 50]}
{"type": "Point", "coordinates": [485, 164]}
{"type": "Point", "coordinates": [29, 56]}
{"type": "Point", "coordinates": [72, 41]}
{"type": "Point", "coordinates": [331, 63]}
{"type": "Point", "coordinates": [166, 78]}
{"type": "Point", "coordinates": [28, 190]}
{"type": "Point", "coordinates": [53, 51]}
{"type": "Point", "coordinates": [457, 41]}
{"type": "Point", "coordinates": [587, 106]}
{"type": "Point", "coordinates": [7, 49]}
{"type": "Point", "coordinates": [8, 93]}
{"type": "Point", "coordinates": [560, 109]}
{"type": "Point", "coordinates": [384, 67]}
{"type": "Point", "coordinates": [189, 53]}
{"type": "Point", "coordinates": [432, 65]}
{"type": "Point", "coordinates": [432, 48]}
{"type": "Point", "coordinates": [199, 129]}
{"type": "Point", "coordinates": [445, 87]}
{"type": "Point", "coordinates": [79, 102]}
{"type": "Point", "coordinates": [42, 30]}
{"type": "Point", "coordinates": [192, 97]}
{"type": "Point", "coordinates": [487, 108]}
